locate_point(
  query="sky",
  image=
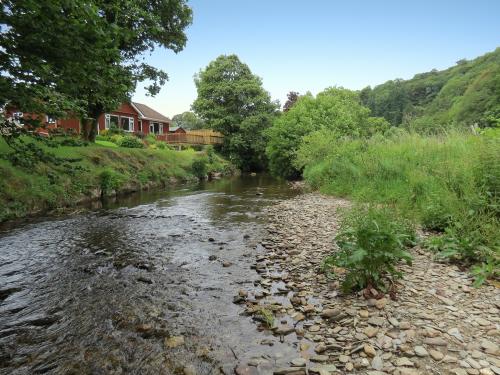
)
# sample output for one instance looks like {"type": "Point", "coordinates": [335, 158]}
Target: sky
{"type": "Point", "coordinates": [310, 45]}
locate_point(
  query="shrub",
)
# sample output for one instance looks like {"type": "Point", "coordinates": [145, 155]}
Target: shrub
{"type": "Point", "coordinates": [199, 168]}
{"type": "Point", "coordinates": [448, 183]}
{"type": "Point", "coordinates": [73, 142]}
{"type": "Point", "coordinates": [110, 180]}
{"type": "Point", "coordinates": [131, 142]}
{"type": "Point", "coordinates": [372, 242]}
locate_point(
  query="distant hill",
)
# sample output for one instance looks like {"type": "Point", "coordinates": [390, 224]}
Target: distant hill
{"type": "Point", "coordinates": [465, 94]}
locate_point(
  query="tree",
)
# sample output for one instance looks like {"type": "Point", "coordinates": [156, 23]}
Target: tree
{"type": "Point", "coordinates": [292, 96]}
{"type": "Point", "coordinates": [232, 101]}
{"type": "Point", "coordinates": [188, 120]}
{"type": "Point", "coordinates": [337, 110]}
{"type": "Point", "coordinates": [84, 57]}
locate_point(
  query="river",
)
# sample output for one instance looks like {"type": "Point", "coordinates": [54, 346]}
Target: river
{"type": "Point", "coordinates": [99, 292]}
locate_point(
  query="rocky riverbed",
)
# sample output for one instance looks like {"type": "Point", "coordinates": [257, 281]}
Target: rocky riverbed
{"type": "Point", "coordinates": [437, 324]}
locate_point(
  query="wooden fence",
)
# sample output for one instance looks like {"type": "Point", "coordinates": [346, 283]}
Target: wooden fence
{"type": "Point", "coordinates": [193, 137]}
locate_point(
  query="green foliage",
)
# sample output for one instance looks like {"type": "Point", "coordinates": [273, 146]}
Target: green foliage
{"type": "Point", "coordinates": [84, 57]}
{"type": "Point", "coordinates": [232, 101]}
{"type": "Point", "coordinates": [337, 110]}
{"type": "Point", "coordinates": [199, 168]}
{"type": "Point", "coordinates": [46, 185]}
{"type": "Point", "coordinates": [447, 183]}
{"type": "Point", "coordinates": [110, 180]}
{"type": "Point", "coordinates": [130, 141]}
{"type": "Point", "coordinates": [188, 120]}
{"type": "Point", "coordinates": [372, 242]}
{"type": "Point", "coordinates": [266, 316]}
{"type": "Point", "coordinates": [457, 97]}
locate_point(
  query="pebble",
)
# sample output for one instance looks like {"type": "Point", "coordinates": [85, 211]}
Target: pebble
{"type": "Point", "coordinates": [436, 355]}
{"type": "Point", "coordinates": [369, 350]}
{"type": "Point", "coordinates": [420, 351]}
{"type": "Point", "coordinates": [174, 341]}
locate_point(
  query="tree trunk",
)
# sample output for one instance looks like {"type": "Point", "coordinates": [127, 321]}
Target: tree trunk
{"type": "Point", "coordinates": [89, 128]}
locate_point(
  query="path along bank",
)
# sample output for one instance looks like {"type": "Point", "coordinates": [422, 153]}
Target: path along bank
{"type": "Point", "coordinates": [439, 323]}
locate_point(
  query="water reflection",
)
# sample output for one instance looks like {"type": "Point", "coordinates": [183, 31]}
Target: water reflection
{"type": "Point", "coordinates": [98, 293]}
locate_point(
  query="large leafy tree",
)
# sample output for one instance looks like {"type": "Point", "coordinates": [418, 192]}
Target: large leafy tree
{"type": "Point", "coordinates": [337, 110]}
{"type": "Point", "coordinates": [188, 120]}
{"type": "Point", "coordinates": [231, 100]}
{"type": "Point", "coordinates": [84, 57]}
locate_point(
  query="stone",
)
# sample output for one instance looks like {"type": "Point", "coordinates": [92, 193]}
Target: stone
{"type": "Point", "coordinates": [482, 322]}
{"type": "Point", "coordinates": [320, 348]}
{"type": "Point", "coordinates": [370, 331]}
{"type": "Point", "coordinates": [190, 370]}
{"type": "Point", "coordinates": [404, 362]}
{"type": "Point", "coordinates": [489, 347]}
{"type": "Point", "coordinates": [405, 325]}
{"type": "Point", "coordinates": [364, 314]}
{"type": "Point", "coordinates": [436, 355]}
{"type": "Point", "coordinates": [314, 328]}
{"type": "Point", "coordinates": [420, 351]}
{"type": "Point", "coordinates": [284, 330]}
{"type": "Point", "coordinates": [376, 321]}
{"type": "Point", "coordinates": [212, 257]}
{"type": "Point", "coordinates": [319, 358]}
{"type": "Point", "coordinates": [436, 341]}
{"type": "Point", "coordinates": [289, 371]}
{"type": "Point", "coordinates": [377, 363]}
{"type": "Point", "coordinates": [330, 313]}
{"type": "Point", "coordinates": [455, 333]}
{"type": "Point", "coordinates": [174, 341]}
{"type": "Point", "coordinates": [380, 304]}
{"type": "Point", "coordinates": [298, 362]}
{"type": "Point", "coordinates": [323, 369]}
{"type": "Point", "coordinates": [349, 366]}
{"type": "Point", "coordinates": [226, 264]}
{"type": "Point", "coordinates": [369, 350]}
{"type": "Point", "coordinates": [344, 358]}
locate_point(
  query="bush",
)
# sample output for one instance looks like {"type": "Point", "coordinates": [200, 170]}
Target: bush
{"type": "Point", "coordinates": [199, 168]}
{"type": "Point", "coordinates": [110, 180]}
{"type": "Point", "coordinates": [447, 183]}
{"type": "Point", "coordinates": [372, 242]}
{"type": "Point", "coordinates": [131, 142]}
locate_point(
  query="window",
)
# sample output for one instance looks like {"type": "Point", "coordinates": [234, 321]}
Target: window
{"type": "Point", "coordinates": [140, 125]}
{"type": "Point", "coordinates": [111, 121]}
{"type": "Point", "coordinates": [156, 127]}
{"type": "Point", "coordinates": [17, 115]}
{"type": "Point", "coordinates": [51, 119]}
{"type": "Point", "coordinates": [127, 123]}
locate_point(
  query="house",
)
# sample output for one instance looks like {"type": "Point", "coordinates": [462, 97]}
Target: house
{"type": "Point", "coordinates": [135, 118]}
{"type": "Point", "coordinates": [177, 130]}
{"type": "Point", "coordinates": [131, 117]}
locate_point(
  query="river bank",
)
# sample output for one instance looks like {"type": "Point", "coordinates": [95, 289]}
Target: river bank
{"type": "Point", "coordinates": [437, 324]}
{"type": "Point", "coordinates": [37, 184]}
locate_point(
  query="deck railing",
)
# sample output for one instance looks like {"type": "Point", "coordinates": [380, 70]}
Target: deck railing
{"type": "Point", "coordinates": [193, 137]}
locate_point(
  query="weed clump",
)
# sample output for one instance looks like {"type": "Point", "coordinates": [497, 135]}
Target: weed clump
{"type": "Point", "coordinates": [371, 244]}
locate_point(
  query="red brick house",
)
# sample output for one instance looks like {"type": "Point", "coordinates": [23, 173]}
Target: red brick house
{"type": "Point", "coordinates": [131, 117]}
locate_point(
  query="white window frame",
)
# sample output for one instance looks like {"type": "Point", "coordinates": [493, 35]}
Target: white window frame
{"type": "Point", "coordinates": [17, 115]}
{"type": "Point", "coordinates": [107, 120]}
{"type": "Point", "coordinates": [152, 127]}
{"type": "Point", "coordinates": [51, 119]}
{"type": "Point", "coordinates": [130, 124]}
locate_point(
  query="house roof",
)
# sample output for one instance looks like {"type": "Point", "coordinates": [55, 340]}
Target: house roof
{"type": "Point", "coordinates": [149, 113]}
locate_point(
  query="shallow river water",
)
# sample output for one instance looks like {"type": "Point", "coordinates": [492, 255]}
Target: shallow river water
{"type": "Point", "coordinates": [99, 292]}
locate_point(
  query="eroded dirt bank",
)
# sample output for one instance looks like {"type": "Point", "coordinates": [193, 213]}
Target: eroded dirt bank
{"type": "Point", "coordinates": [439, 323]}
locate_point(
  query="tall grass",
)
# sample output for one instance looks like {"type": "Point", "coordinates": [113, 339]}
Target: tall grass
{"type": "Point", "coordinates": [449, 183]}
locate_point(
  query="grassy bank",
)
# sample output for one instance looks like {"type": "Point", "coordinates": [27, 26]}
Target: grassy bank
{"type": "Point", "coordinates": [98, 171]}
{"type": "Point", "coordinates": [449, 184]}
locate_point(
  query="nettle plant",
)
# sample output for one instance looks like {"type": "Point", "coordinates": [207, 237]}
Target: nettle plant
{"type": "Point", "coordinates": [372, 241]}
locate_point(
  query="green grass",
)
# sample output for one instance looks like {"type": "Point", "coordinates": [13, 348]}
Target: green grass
{"type": "Point", "coordinates": [449, 184]}
{"type": "Point", "coordinates": [106, 144]}
{"type": "Point", "coordinates": [101, 168]}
